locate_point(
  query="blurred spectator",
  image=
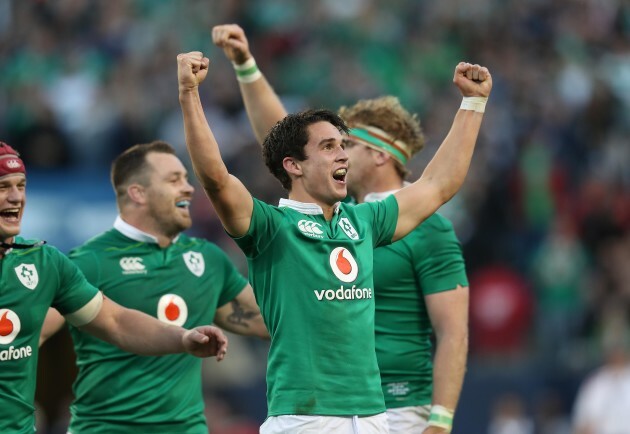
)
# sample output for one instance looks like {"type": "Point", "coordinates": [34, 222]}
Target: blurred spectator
{"type": "Point", "coordinates": [551, 415]}
{"type": "Point", "coordinates": [500, 313]}
{"type": "Point", "coordinates": [603, 402]}
{"type": "Point", "coordinates": [509, 416]}
{"type": "Point", "coordinates": [558, 271]}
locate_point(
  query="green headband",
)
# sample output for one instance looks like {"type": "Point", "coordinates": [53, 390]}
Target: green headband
{"type": "Point", "coordinates": [379, 139]}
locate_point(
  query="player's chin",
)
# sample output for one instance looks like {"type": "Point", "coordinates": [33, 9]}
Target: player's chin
{"type": "Point", "coordinates": [9, 229]}
{"type": "Point", "coordinates": [184, 222]}
{"type": "Point", "coordinates": [341, 191]}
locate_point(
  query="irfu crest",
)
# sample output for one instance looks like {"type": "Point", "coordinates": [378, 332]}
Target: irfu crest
{"type": "Point", "coordinates": [348, 228]}
{"type": "Point", "coordinates": [195, 263]}
{"type": "Point", "coordinates": [27, 273]}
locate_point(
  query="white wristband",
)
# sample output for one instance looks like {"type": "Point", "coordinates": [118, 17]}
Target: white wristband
{"type": "Point", "coordinates": [248, 71]}
{"type": "Point", "coordinates": [441, 417]}
{"type": "Point", "coordinates": [475, 103]}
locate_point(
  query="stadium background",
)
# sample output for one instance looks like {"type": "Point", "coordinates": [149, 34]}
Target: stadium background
{"type": "Point", "coordinates": [544, 215]}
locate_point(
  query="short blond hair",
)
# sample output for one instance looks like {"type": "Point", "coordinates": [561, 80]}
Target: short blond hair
{"type": "Point", "coordinates": [389, 115]}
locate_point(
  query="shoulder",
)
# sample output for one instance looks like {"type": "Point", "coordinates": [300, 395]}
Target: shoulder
{"type": "Point", "coordinates": [39, 248]}
{"type": "Point", "coordinates": [187, 242]}
{"type": "Point", "coordinates": [95, 244]}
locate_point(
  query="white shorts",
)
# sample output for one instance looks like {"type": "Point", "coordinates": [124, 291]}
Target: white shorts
{"type": "Point", "coordinates": [295, 424]}
{"type": "Point", "coordinates": [408, 420]}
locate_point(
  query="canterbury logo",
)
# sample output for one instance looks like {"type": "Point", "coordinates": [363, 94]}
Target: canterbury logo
{"type": "Point", "coordinates": [310, 228]}
{"type": "Point", "coordinates": [13, 164]}
{"type": "Point", "coordinates": [132, 265]}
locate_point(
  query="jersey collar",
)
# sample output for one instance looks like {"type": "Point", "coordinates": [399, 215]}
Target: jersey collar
{"type": "Point", "coordinates": [376, 196]}
{"type": "Point", "coordinates": [134, 233]}
{"type": "Point", "coordinates": [305, 208]}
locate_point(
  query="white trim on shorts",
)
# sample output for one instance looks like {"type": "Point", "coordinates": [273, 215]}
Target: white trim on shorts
{"type": "Point", "coordinates": [307, 424]}
{"type": "Point", "coordinates": [408, 420]}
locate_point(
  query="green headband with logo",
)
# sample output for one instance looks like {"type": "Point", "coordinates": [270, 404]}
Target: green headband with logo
{"type": "Point", "coordinates": [380, 140]}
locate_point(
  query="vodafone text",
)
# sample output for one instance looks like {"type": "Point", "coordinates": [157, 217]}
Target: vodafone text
{"type": "Point", "coordinates": [352, 293]}
{"type": "Point", "coordinates": [16, 353]}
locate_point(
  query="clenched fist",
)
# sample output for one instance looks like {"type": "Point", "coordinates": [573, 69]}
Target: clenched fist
{"type": "Point", "coordinates": [472, 80]}
{"type": "Point", "coordinates": [192, 69]}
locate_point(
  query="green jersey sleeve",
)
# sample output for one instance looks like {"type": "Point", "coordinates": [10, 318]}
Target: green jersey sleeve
{"type": "Point", "coordinates": [438, 259]}
{"type": "Point", "coordinates": [382, 217]}
{"type": "Point", "coordinates": [264, 225]}
{"type": "Point", "coordinates": [233, 281]}
{"type": "Point", "coordinates": [74, 289]}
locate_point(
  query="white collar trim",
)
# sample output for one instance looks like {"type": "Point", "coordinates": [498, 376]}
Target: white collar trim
{"type": "Point", "coordinates": [134, 233]}
{"type": "Point", "coordinates": [305, 208]}
{"type": "Point", "coordinates": [376, 196]}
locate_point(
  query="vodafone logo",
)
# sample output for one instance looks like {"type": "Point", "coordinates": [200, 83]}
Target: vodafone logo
{"type": "Point", "coordinates": [9, 326]}
{"type": "Point", "coordinates": [172, 309]}
{"type": "Point", "coordinates": [310, 228]}
{"type": "Point", "coordinates": [343, 265]}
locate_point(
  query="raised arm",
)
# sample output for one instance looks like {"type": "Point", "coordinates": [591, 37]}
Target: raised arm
{"type": "Point", "coordinates": [446, 172]}
{"type": "Point", "coordinates": [137, 332]}
{"type": "Point", "coordinates": [263, 106]}
{"type": "Point", "coordinates": [231, 200]}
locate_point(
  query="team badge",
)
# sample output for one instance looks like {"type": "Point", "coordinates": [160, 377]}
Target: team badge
{"type": "Point", "coordinates": [172, 309]}
{"type": "Point", "coordinates": [195, 263]}
{"type": "Point", "coordinates": [348, 228]}
{"type": "Point", "coordinates": [9, 326]}
{"type": "Point", "coordinates": [27, 273]}
{"type": "Point", "coordinates": [343, 265]}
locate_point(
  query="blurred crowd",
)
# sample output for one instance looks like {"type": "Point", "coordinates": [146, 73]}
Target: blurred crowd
{"type": "Point", "coordinates": [544, 216]}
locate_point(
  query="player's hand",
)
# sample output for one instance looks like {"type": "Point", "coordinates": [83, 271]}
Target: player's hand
{"type": "Point", "coordinates": [231, 38]}
{"type": "Point", "coordinates": [192, 69]}
{"type": "Point", "coordinates": [206, 341]}
{"type": "Point", "coordinates": [472, 80]}
{"type": "Point", "coordinates": [434, 430]}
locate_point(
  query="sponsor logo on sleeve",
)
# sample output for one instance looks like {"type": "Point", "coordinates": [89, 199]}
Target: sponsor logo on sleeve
{"type": "Point", "coordinates": [195, 263]}
{"type": "Point", "coordinates": [172, 309]}
{"type": "Point", "coordinates": [27, 273]}
{"type": "Point", "coordinates": [10, 327]}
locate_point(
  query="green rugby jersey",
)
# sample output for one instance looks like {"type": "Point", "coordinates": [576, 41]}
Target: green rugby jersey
{"type": "Point", "coordinates": [182, 284]}
{"type": "Point", "coordinates": [426, 261]}
{"type": "Point", "coordinates": [313, 282]}
{"type": "Point", "coordinates": [32, 280]}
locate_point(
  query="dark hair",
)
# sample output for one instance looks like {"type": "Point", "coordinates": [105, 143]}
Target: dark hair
{"type": "Point", "coordinates": [289, 136]}
{"type": "Point", "coordinates": [132, 164]}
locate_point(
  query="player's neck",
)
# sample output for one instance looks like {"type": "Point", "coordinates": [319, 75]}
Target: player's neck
{"type": "Point", "coordinates": [301, 196]}
{"type": "Point", "coordinates": [149, 227]}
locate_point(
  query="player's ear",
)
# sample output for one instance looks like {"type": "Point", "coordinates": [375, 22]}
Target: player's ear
{"type": "Point", "coordinates": [380, 158]}
{"type": "Point", "coordinates": [136, 193]}
{"type": "Point", "coordinates": [292, 166]}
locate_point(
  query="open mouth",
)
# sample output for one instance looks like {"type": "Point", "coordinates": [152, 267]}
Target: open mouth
{"type": "Point", "coordinates": [184, 204]}
{"type": "Point", "coordinates": [340, 175]}
{"type": "Point", "coordinates": [11, 215]}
